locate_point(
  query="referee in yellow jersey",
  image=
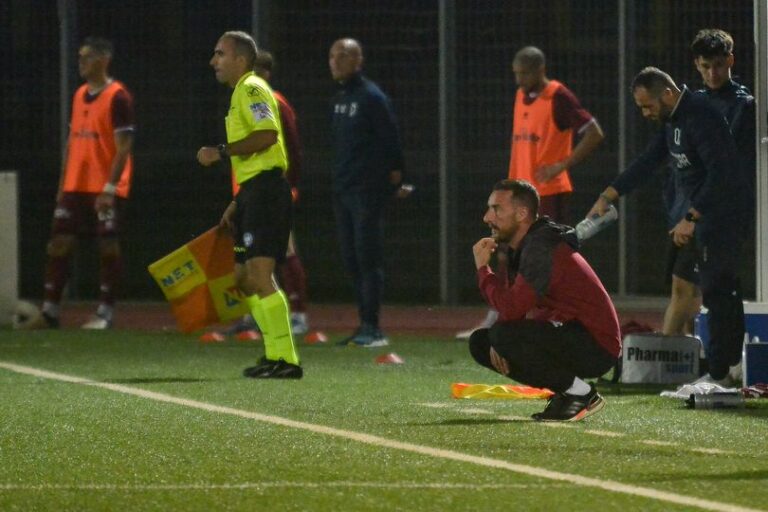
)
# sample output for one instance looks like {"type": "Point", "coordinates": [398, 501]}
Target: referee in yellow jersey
{"type": "Point", "coordinates": [260, 217]}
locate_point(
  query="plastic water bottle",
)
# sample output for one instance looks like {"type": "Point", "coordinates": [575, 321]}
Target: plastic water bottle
{"type": "Point", "coordinates": [715, 401]}
{"type": "Point", "coordinates": [593, 225]}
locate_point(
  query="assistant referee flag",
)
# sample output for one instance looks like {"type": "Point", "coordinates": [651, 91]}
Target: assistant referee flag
{"type": "Point", "coordinates": [198, 281]}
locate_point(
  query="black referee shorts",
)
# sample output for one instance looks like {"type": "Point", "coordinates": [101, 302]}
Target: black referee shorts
{"type": "Point", "coordinates": [263, 218]}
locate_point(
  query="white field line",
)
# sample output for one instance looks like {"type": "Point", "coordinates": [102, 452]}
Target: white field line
{"type": "Point", "coordinates": [601, 433]}
{"type": "Point", "coordinates": [507, 417]}
{"type": "Point", "coordinates": [266, 485]}
{"type": "Point", "coordinates": [607, 485]}
{"type": "Point", "coordinates": [712, 451]}
{"type": "Point", "coordinates": [470, 410]}
{"type": "Point", "coordinates": [653, 442]}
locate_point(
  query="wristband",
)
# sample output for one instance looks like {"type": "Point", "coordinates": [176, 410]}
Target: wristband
{"type": "Point", "coordinates": [223, 153]}
{"type": "Point", "coordinates": [109, 188]}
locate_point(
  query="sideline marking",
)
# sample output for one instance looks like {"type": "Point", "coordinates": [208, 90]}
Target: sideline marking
{"type": "Point", "coordinates": [266, 485]}
{"type": "Point", "coordinates": [713, 451]}
{"type": "Point", "coordinates": [603, 433]}
{"type": "Point", "coordinates": [476, 411]}
{"type": "Point", "coordinates": [435, 405]}
{"type": "Point", "coordinates": [607, 485]}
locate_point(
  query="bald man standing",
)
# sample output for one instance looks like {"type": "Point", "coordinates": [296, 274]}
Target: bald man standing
{"type": "Point", "coordinates": [368, 170]}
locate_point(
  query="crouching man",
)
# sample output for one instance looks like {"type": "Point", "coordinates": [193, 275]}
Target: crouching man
{"type": "Point", "coordinates": [557, 324]}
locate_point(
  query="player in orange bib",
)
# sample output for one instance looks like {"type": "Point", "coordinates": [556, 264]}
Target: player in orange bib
{"type": "Point", "coordinates": [547, 118]}
{"type": "Point", "coordinates": [95, 182]}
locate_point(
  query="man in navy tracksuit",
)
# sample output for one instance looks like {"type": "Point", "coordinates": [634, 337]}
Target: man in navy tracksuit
{"type": "Point", "coordinates": [712, 51]}
{"type": "Point", "coordinates": [697, 138]}
{"type": "Point", "coordinates": [368, 170]}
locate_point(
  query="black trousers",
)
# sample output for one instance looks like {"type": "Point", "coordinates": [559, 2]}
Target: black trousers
{"type": "Point", "coordinates": [721, 295]}
{"type": "Point", "coordinates": [542, 354]}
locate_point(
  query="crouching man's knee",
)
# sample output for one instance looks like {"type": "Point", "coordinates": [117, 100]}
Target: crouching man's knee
{"type": "Point", "coordinates": [480, 346]}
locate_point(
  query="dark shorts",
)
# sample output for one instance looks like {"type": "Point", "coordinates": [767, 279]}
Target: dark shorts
{"type": "Point", "coordinates": [555, 207]}
{"type": "Point", "coordinates": [683, 262]}
{"type": "Point", "coordinates": [75, 214]}
{"type": "Point", "coordinates": [263, 217]}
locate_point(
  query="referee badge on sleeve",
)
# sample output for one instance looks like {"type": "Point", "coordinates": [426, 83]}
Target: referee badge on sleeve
{"type": "Point", "coordinates": [261, 111]}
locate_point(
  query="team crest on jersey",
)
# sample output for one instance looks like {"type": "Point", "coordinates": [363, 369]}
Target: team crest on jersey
{"type": "Point", "coordinates": [261, 111]}
{"type": "Point", "coordinates": [247, 239]}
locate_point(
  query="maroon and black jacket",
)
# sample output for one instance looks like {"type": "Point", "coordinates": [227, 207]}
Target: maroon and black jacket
{"type": "Point", "coordinates": [550, 281]}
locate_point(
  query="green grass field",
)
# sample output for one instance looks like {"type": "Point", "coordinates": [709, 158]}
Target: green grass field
{"type": "Point", "coordinates": [350, 436]}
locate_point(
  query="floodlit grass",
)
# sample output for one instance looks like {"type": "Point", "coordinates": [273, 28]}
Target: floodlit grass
{"type": "Point", "coordinates": [66, 446]}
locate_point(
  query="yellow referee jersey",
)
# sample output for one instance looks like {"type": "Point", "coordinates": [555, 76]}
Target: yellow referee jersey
{"type": "Point", "coordinates": [253, 107]}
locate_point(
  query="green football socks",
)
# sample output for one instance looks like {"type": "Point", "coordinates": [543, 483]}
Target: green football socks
{"type": "Point", "coordinates": [271, 313]}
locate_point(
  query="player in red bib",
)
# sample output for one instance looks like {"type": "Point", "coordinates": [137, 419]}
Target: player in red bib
{"type": "Point", "coordinates": [95, 182]}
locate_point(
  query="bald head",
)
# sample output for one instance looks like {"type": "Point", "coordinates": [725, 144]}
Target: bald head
{"type": "Point", "coordinates": [529, 68]}
{"type": "Point", "coordinates": [530, 57]}
{"type": "Point", "coordinates": [345, 59]}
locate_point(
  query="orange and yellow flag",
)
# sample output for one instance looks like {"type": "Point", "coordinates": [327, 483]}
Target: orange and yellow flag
{"type": "Point", "coordinates": [484, 391]}
{"type": "Point", "coordinates": [198, 280]}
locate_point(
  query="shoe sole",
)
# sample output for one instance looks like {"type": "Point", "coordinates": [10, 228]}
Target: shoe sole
{"type": "Point", "coordinates": [293, 375]}
{"type": "Point", "coordinates": [374, 344]}
{"type": "Point", "coordinates": [267, 371]}
{"type": "Point", "coordinates": [584, 413]}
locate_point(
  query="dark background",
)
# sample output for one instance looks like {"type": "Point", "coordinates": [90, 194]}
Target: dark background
{"type": "Point", "coordinates": [162, 53]}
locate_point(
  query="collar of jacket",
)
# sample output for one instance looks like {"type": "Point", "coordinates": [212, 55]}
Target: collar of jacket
{"type": "Point", "coordinates": [352, 82]}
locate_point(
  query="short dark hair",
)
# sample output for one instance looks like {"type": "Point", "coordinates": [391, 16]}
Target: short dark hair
{"type": "Point", "coordinates": [99, 45]}
{"type": "Point", "coordinates": [264, 61]}
{"type": "Point", "coordinates": [530, 57]}
{"type": "Point", "coordinates": [244, 45]}
{"type": "Point", "coordinates": [522, 192]}
{"type": "Point", "coordinates": [712, 42]}
{"type": "Point", "coordinates": [653, 80]}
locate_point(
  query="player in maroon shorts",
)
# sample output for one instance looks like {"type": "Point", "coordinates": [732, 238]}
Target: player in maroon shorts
{"type": "Point", "coordinates": [95, 183]}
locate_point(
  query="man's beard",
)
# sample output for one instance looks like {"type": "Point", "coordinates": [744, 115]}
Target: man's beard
{"type": "Point", "coordinates": [502, 238]}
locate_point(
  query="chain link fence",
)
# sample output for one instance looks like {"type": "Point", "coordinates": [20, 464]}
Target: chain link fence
{"type": "Point", "coordinates": [162, 53]}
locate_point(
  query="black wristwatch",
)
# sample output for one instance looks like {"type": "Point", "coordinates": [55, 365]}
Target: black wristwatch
{"type": "Point", "coordinates": [223, 153]}
{"type": "Point", "coordinates": [690, 218]}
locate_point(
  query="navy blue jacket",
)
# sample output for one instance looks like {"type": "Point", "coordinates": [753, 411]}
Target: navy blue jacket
{"type": "Point", "coordinates": [735, 102]}
{"type": "Point", "coordinates": [365, 137]}
{"type": "Point", "coordinates": [705, 162]}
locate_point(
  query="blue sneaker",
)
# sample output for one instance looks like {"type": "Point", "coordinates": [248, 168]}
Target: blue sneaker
{"type": "Point", "coordinates": [370, 338]}
{"type": "Point", "coordinates": [365, 336]}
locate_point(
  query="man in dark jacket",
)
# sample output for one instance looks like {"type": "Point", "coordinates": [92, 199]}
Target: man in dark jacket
{"type": "Point", "coordinates": [708, 175]}
{"type": "Point", "coordinates": [713, 57]}
{"type": "Point", "coordinates": [368, 170]}
{"type": "Point", "coordinates": [557, 324]}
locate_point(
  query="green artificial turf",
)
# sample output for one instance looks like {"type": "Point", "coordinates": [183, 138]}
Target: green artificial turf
{"type": "Point", "coordinates": [67, 446]}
